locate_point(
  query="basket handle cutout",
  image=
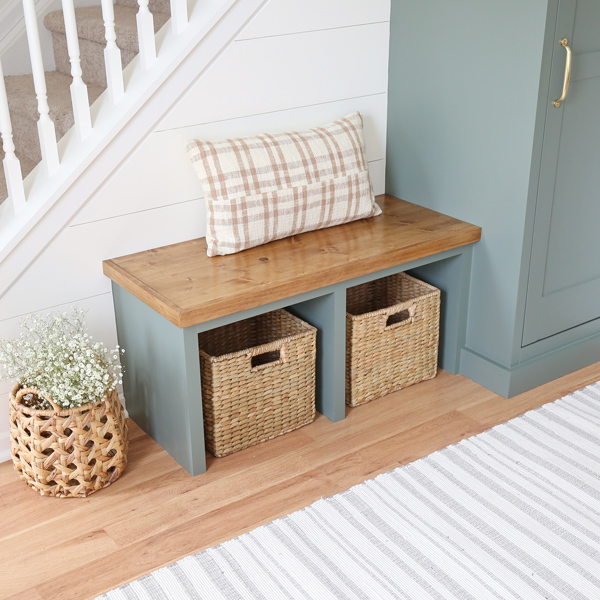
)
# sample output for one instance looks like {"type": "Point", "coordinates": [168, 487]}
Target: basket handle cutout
{"type": "Point", "coordinates": [400, 316]}
{"type": "Point", "coordinates": [24, 391]}
{"type": "Point", "coordinates": [270, 358]}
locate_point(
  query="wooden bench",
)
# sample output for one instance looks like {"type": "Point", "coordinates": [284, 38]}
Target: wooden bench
{"type": "Point", "coordinates": [166, 296]}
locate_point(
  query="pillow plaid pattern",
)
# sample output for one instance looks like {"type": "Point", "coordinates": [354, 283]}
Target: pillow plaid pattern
{"type": "Point", "coordinates": [268, 187]}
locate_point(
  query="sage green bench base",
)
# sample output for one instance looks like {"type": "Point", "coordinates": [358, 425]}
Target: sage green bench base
{"type": "Point", "coordinates": [162, 366]}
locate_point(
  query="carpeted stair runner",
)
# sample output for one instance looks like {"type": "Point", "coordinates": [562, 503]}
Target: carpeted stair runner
{"type": "Point", "coordinates": [90, 27]}
{"type": "Point", "coordinates": [24, 114]}
{"type": "Point", "coordinates": [26, 168]}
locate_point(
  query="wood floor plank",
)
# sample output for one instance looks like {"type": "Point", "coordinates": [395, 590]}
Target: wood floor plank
{"type": "Point", "coordinates": [28, 594]}
{"type": "Point", "coordinates": [410, 445]}
{"type": "Point", "coordinates": [205, 499]}
{"type": "Point", "coordinates": [57, 554]}
{"type": "Point", "coordinates": [71, 523]}
{"type": "Point", "coordinates": [490, 411]}
{"type": "Point", "coordinates": [23, 509]}
{"type": "Point", "coordinates": [156, 513]}
{"type": "Point", "coordinates": [388, 416]}
{"type": "Point", "coordinates": [198, 533]}
{"type": "Point", "coordinates": [8, 475]}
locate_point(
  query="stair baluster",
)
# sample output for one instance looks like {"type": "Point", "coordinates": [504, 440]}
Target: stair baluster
{"type": "Point", "coordinates": [12, 165]}
{"type": "Point", "coordinates": [145, 28]}
{"type": "Point", "coordinates": [46, 130]}
{"type": "Point", "coordinates": [79, 92]}
{"type": "Point", "coordinates": [179, 15]}
{"type": "Point", "coordinates": [112, 54]}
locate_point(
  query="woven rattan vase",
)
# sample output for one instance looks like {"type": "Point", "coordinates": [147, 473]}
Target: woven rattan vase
{"type": "Point", "coordinates": [68, 453]}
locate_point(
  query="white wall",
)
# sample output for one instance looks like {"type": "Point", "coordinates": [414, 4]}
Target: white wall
{"type": "Point", "coordinates": [299, 63]}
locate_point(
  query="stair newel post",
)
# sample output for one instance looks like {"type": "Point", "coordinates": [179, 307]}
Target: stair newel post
{"type": "Point", "coordinates": [46, 130]}
{"type": "Point", "coordinates": [179, 15]}
{"type": "Point", "coordinates": [79, 92]}
{"type": "Point", "coordinates": [12, 165]}
{"type": "Point", "coordinates": [147, 42]}
{"type": "Point", "coordinates": [112, 54]}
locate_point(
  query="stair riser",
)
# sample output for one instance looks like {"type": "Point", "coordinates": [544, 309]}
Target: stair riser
{"type": "Point", "coordinates": [26, 137]}
{"type": "Point", "coordinates": [92, 59]}
{"type": "Point", "coordinates": [163, 6]}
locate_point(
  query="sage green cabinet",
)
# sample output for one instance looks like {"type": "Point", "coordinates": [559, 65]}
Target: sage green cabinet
{"type": "Point", "coordinates": [472, 132]}
{"type": "Point", "coordinates": [564, 280]}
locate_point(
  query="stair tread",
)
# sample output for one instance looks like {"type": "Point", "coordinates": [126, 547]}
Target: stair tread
{"type": "Point", "coordinates": [90, 25]}
{"type": "Point", "coordinates": [22, 99]}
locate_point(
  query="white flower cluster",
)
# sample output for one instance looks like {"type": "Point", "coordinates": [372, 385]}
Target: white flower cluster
{"type": "Point", "coordinates": [55, 355]}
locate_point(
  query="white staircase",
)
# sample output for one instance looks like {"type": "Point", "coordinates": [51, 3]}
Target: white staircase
{"type": "Point", "coordinates": [119, 68]}
{"type": "Point", "coordinates": [81, 70]}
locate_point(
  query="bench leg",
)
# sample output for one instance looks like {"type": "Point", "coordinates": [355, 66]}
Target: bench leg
{"type": "Point", "coordinates": [452, 277]}
{"type": "Point", "coordinates": [162, 380]}
{"type": "Point", "coordinates": [328, 314]}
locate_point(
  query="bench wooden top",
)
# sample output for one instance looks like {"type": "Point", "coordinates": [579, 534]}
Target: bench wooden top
{"type": "Point", "coordinates": [187, 287]}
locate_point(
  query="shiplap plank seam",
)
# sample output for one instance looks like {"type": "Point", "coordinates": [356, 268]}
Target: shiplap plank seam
{"type": "Point", "coordinates": [270, 112]}
{"type": "Point", "coordinates": [197, 199]}
{"type": "Point", "coordinates": [277, 35]}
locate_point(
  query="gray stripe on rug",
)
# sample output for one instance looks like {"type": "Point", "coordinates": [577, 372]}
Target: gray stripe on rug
{"type": "Point", "coordinates": [450, 548]}
{"type": "Point", "coordinates": [381, 547]}
{"type": "Point", "coordinates": [282, 572]}
{"type": "Point", "coordinates": [533, 519]}
{"type": "Point", "coordinates": [184, 581]}
{"type": "Point", "coordinates": [345, 545]}
{"type": "Point", "coordinates": [500, 559]}
{"type": "Point", "coordinates": [509, 514]}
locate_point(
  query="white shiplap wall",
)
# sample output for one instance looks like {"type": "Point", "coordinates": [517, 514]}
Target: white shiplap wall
{"type": "Point", "coordinates": [298, 64]}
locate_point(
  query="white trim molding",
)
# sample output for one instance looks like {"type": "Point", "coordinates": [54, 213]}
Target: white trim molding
{"type": "Point", "coordinates": [4, 446]}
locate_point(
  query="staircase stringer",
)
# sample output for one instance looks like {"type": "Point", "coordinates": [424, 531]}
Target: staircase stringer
{"type": "Point", "coordinates": [53, 202]}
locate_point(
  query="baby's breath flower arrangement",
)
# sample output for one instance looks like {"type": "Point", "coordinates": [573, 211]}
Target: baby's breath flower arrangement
{"type": "Point", "coordinates": [55, 355]}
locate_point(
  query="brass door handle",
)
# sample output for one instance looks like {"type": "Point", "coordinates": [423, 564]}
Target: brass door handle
{"type": "Point", "coordinates": [564, 42]}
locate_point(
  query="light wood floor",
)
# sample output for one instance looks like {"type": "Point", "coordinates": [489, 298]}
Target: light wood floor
{"type": "Point", "coordinates": [73, 549]}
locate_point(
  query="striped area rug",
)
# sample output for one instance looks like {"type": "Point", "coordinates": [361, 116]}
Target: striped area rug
{"type": "Point", "coordinates": [511, 513]}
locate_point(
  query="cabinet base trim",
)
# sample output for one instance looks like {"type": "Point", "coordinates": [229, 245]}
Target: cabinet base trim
{"type": "Point", "coordinates": [511, 381]}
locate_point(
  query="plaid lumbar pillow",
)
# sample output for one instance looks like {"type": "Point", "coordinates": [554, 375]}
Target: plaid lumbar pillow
{"type": "Point", "coordinates": [268, 187]}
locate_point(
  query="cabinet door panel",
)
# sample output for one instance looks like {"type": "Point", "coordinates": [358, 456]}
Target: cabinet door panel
{"type": "Point", "coordinates": [564, 280]}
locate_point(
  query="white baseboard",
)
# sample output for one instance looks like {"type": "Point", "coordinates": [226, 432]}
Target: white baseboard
{"type": "Point", "coordinates": [4, 446]}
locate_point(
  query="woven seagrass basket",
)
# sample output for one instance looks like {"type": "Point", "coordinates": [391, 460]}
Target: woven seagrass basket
{"type": "Point", "coordinates": [392, 335]}
{"type": "Point", "coordinates": [258, 380]}
{"type": "Point", "coordinates": [68, 453]}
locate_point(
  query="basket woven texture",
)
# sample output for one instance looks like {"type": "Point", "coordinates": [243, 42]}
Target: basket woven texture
{"type": "Point", "coordinates": [68, 453]}
{"type": "Point", "coordinates": [258, 380]}
{"type": "Point", "coordinates": [392, 335]}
